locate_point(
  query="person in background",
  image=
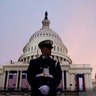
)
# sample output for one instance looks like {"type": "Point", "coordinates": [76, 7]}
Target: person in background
{"type": "Point", "coordinates": [44, 74]}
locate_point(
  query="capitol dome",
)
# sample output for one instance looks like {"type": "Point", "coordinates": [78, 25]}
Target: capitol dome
{"type": "Point", "coordinates": [32, 51]}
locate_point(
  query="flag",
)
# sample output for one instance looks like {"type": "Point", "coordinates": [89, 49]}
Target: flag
{"type": "Point", "coordinates": [12, 80]}
{"type": "Point", "coordinates": [80, 83]}
{"type": "Point", "coordinates": [24, 83]}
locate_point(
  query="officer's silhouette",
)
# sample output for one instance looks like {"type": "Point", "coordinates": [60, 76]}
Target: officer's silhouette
{"type": "Point", "coordinates": [44, 74]}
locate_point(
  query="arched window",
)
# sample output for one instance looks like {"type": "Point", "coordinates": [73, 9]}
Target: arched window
{"type": "Point", "coordinates": [61, 49]}
{"type": "Point", "coordinates": [35, 48]}
{"type": "Point", "coordinates": [57, 48]}
{"type": "Point", "coordinates": [54, 48]}
{"type": "Point", "coordinates": [64, 59]}
{"type": "Point", "coordinates": [29, 48]}
{"type": "Point", "coordinates": [32, 48]}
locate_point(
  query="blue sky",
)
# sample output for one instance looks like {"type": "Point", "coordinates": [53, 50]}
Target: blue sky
{"type": "Point", "coordinates": [73, 20]}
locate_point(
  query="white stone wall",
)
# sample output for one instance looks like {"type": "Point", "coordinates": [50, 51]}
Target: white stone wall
{"type": "Point", "coordinates": [94, 84]}
{"type": "Point", "coordinates": [71, 71]}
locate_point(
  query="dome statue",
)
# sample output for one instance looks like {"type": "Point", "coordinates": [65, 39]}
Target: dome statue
{"type": "Point", "coordinates": [32, 51]}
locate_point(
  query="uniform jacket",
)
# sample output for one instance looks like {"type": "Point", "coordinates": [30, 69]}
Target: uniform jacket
{"type": "Point", "coordinates": [36, 78]}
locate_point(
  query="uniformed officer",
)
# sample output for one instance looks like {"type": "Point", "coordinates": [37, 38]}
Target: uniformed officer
{"type": "Point", "coordinates": [44, 73]}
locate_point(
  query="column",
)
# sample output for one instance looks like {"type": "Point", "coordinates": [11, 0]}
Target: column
{"type": "Point", "coordinates": [29, 58]}
{"type": "Point", "coordinates": [90, 82]}
{"type": "Point", "coordinates": [34, 57]}
{"type": "Point", "coordinates": [59, 59]}
{"type": "Point", "coordinates": [86, 82]}
{"type": "Point", "coordinates": [67, 80]}
{"type": "Point", "coordinates": [55, 58]}
{"type": "Point", "coordinates": [63, 78]}
{"type": "Point", "coordinates": [72, 83]}
{"type": "Point", "coordinates": [18, 81]}
{"type": "Point", "coordinates": [6, 78]}
{"type": "Point", "coordinates": [26, 59]}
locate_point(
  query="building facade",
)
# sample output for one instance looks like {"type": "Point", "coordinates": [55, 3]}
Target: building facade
{"type": "Point", "coordinates": [76, 77]}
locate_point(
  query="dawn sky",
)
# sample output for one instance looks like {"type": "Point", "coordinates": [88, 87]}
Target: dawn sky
{"type": "Point", "coordinates": [73, 20]}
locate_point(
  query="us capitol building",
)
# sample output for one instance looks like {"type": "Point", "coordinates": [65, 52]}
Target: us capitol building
{"type": "Point", "coordinates": [76, 77]}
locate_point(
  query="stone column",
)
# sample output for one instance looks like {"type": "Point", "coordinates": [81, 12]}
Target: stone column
{"type": "Point", "coordinates": [55, 58]}
{"type": "Point", "coordinates": [65, 85]}
{"type": "Point", "coordinates": [90, 82]}
{"type": "Point", "coordinates": [16, 79]}
{"type": "Point", "coordinates": [86, 78]}
{"type": "Point", "coordinates": [26, 59]}
{"type": "Point", "coordinates": [20, 79]}
{"type": "Point", "coordinates": [63, 79]}
{"type": "Point", "coordinates": [58, 58]}
{"type": "Point", "coordinates": [67, 80]}
{"type": "Point", "coordinates": [34, 57]}
{"type": "Point", "coordinates": [29, 58]}
{"type": "Point", "coordinates": [72, 83]}
{"type": "Point", "coordinates": [7, 80]}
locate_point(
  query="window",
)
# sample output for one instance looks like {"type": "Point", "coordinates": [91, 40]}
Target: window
{"type": "Point", "coordinates": [23, 76]}
{"type": "Point", "coordinates": [24, 59]}
{"type": "Point", "coordinates": [54, 48]}
{"type": "Point", "coordinates": [35, 48]}
{"type": "Point", "coordinates": [29, 48]}
{"type": "Point", "coordinates": [57, 48]}
{"type": "Point", "coordinates": [11, 76]}
{"type": "Point", "coordinates": [64, 59]}
{"type": "Point", "coordinates": [32, 48]}
{"type": "Point", "coordinates": [61, 49]}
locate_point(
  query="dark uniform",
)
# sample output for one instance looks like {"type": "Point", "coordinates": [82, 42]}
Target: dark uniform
{"type": "Point", "coordinates": [44, 71]}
